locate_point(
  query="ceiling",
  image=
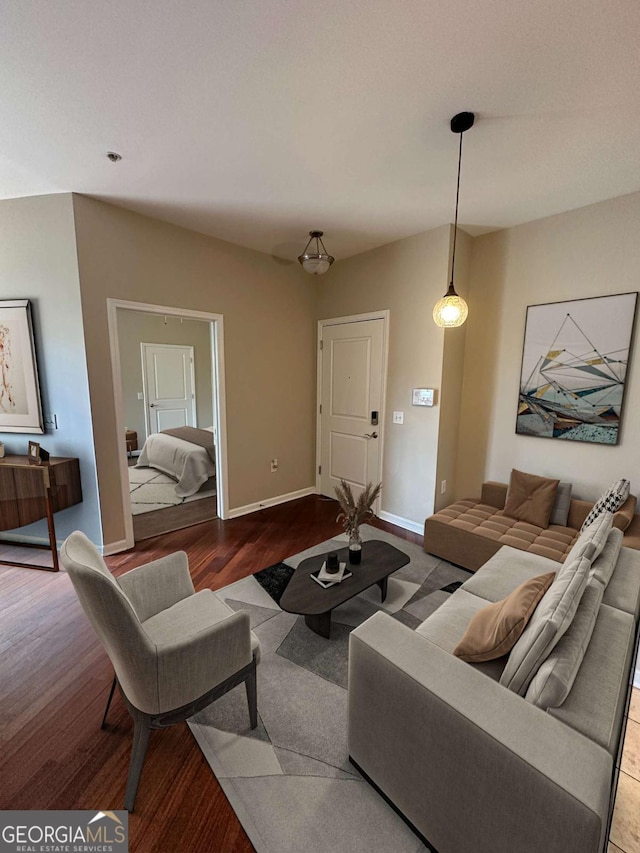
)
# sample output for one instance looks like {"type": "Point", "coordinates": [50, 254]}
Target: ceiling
{"type": "Point", "coordinates": [257, 121]}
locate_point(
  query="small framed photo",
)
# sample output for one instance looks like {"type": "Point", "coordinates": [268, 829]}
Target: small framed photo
{"type": "Point", "coordinates": [37, 455]}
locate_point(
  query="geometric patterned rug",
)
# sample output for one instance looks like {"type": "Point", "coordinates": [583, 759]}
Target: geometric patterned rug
{"type": "Point", "coordinates": [290, 781]}
{"type": "Point", "coordinates": [151, 489]}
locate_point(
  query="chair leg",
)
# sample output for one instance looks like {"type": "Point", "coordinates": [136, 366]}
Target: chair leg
{"type": "Point", "coordinates": [141, 731]}
{"type": "Point", "coordinates": [251, 687]}
{"type": "Point", "coordinates": [106, 710]}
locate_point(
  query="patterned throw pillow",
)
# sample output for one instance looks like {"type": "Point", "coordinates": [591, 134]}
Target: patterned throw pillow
{"type": "Point", "coordinates": [610, 501]}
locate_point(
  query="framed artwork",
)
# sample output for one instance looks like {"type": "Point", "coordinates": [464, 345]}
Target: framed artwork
{"type": "Point", "coordinates": [574, 368]}
{"type": "Point", "coordinates": [20, 407]}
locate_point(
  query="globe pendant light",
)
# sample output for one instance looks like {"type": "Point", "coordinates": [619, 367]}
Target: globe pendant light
{"type": "Point", "coordinates": [315, 260]}
{"type": "Point", "coordinates": [451, 310]}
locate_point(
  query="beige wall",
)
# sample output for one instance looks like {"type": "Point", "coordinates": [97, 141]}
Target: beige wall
{"type": "Point", "coordinates": [593, 251]}
{"type": "Point", "coordinates": [406, 277]}
{"type": "Point", "coordinates": [38, 262]}
{"type": "Point", "coordinates": [134, 328]}
{"type": "Point", "coordinates": [269, 310]}
{"type": "Point", "coordinates": [451, 384]}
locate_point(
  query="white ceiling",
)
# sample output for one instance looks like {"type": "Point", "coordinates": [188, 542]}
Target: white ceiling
{"type": "Point", "coordinates": [257, 121]}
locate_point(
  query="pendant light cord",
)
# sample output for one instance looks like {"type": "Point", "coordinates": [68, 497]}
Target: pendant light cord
{"type": "Point", "coordinates": [455, 224]}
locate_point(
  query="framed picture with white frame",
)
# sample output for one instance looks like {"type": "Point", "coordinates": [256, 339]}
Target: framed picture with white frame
{"type": "Point", "coordinates": [20, 406]}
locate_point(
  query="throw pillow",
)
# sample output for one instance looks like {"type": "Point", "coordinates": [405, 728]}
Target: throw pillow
{"type": "Point", "coordinates": [552, 683]}
{"type": "Point", "coordinates": [494, 630]}
{"type": "Point", "coordinates": [610, 501]}
{"type": "Point", "coordinates": [602, 567]}
{"type": "Point", "coordinates": [560, 511]}
{"type": "Point", "coordinates": [530, 498]}
{"type": "Point", "coordinates": [592, 540]}
{"type": "Point", "coordinates": [549, 622]}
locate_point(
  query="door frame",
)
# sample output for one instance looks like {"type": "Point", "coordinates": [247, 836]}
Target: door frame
{"type": "Point", "coordinates": [145, 389]}
{"type": "Point", "coordinates": [385, 316]}
{"type": "Point", "coordinates": [216, 325]}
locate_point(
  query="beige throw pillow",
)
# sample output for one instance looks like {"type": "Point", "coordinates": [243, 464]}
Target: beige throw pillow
{"type": "Point", "coordinates": [494, 630]}
{"type": "Point", "coordinates": [530, 498]}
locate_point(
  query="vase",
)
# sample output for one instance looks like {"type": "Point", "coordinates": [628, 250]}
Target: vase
{"type": "Point", "coordinates": [355, 548]}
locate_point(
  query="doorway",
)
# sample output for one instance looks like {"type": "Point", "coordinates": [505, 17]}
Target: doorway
{"type": "Point", "coordinates": [168, 375]}
{"type": "Point", "coordinates": [352, 369]}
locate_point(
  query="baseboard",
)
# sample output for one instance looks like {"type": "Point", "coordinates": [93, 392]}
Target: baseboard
{"type": "Point", "coordinates": [18, 539]}
{"type": "Point", "coordinates": [279, 499]}
{"type": "Point", "coordinates": [405, 523]}
{"type": "Point", "coordinates": [114, 548]}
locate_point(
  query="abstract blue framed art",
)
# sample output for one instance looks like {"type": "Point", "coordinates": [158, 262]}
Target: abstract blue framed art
{"type": "Point", "coordinates": [574, 368]}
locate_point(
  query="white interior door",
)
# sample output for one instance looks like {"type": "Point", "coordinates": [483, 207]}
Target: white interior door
{"type": "Point", "coordinates": [350, 425]}
{"type": "Point", "coordinates": [169, 387]}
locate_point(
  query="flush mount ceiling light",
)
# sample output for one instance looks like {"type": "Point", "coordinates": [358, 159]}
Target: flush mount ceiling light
{"type": "Point", "coordinates": [315, 259]}
{"type": "Point", "coordinates": [452, 310]}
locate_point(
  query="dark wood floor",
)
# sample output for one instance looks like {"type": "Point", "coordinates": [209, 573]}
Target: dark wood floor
{"type": "Point", "coordinates": [54, 680]}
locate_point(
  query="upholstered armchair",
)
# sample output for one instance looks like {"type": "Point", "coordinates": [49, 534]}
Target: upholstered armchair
{"type": "Point", "coordinates": [174, 650]}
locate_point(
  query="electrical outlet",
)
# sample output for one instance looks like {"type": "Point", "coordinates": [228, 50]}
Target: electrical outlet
{"type": "Point", "coordinates": [274, 465]}
{"type": "Point", "coordinates": [50, 421]}
{"type": "Point", "coordinates": [398, 417]}
{"type": "Point", "coordinates": [443, 487]}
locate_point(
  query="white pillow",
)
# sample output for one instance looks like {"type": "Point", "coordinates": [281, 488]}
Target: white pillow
{"type": "Point", "coordinates": [602, 567]}
{"type": "Point", "coordinates": [592, 540]}
{"type": "Point", "coordinates": [550, 620]}
{"type": "Point", "coordinates": [553, 681]}
{"type": "Point", "coordinates": [610, 501]}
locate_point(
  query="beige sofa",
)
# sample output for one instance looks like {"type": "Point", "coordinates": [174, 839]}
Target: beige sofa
{"type": "Point", "coordinates": [472, 758]}
{"type": "Point", "coordinates": [469, 532]}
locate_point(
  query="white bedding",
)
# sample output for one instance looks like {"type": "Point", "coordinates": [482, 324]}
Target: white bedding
{"type": "Point", "coordinates": [187, 462]}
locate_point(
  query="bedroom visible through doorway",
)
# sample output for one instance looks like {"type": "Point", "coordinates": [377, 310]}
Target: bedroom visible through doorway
{"type": "Point", "coordinates": [169, 400]}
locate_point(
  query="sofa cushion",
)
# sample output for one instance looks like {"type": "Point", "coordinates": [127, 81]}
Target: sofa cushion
{"type": "Point", "coordinates": [602, 567]}
{"type": "Point", "coordinates": [446, 625]}
{"type": "Point", "coordinates": [530, 498]}
{"type": "Point", "coordinates": [552, 682]}
{"type": "Point", "coordinates": [549, 622]}
{"type": "Point", "coordinates": [596, 702]}
{"type": "Point", "coordinates": [610, 501]}
{"type": "Point", "coordinates": [560, 511]}
{"type": "Point", "coordinates": [506, 570]}
{"type": "Point", "coordinates": [494, 630]}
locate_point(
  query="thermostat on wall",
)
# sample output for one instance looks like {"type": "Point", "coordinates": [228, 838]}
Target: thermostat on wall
{"type": "Point", "coordinates": [423, 396]}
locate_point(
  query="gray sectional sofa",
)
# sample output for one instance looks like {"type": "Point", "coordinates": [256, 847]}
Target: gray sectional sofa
{"type": "Point", "coordinates": [492, 757]}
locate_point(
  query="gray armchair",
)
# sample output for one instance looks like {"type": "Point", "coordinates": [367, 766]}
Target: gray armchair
{"type": "Point", "coordinates": [174, 650]}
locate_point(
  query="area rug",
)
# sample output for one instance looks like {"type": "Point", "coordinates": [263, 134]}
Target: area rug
{"type": "Point", "coordinates": [151, 490]}
{"type": "Point", "coordinates": [290, 781]}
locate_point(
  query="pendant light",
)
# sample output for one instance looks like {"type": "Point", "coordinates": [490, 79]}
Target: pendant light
{"type": "Point", "coordinates": [451, 310]}
{"type": "Point", "coordinates": [315, 260]}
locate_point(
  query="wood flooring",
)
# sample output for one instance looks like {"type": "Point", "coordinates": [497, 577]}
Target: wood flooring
{"type": "Point", "coordinates": [55, 678]}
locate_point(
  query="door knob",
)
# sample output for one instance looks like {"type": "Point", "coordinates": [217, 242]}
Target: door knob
{"type": "Point", "coordinates": [371, 435]}
{"type": "Point", "coordinates": [151, 405]}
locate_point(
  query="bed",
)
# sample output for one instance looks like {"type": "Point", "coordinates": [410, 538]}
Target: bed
{"type": "Point", "coordinates": [186, 454]}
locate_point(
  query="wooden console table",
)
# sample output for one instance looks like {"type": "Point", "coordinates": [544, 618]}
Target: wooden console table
{"type": "Point", "coordinates": [30, 492]}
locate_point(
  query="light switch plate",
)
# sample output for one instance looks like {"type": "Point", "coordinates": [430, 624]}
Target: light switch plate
{"type": "Point", "coordinates": [398, 417]}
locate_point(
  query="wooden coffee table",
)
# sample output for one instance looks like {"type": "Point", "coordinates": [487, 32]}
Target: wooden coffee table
{"type": "Point", "coordinates": [306, 597]}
